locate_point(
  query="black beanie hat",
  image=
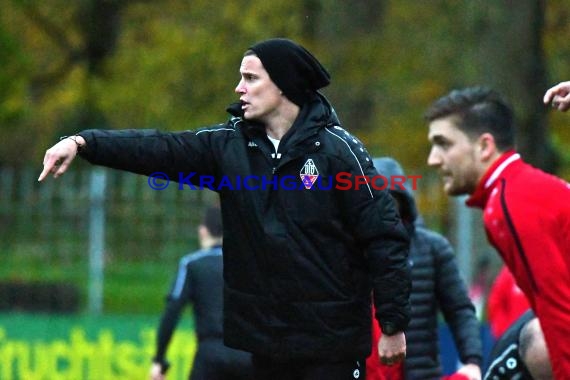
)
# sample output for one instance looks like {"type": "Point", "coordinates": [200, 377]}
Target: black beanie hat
{"type": "Point", "coordinates": [292, 68]}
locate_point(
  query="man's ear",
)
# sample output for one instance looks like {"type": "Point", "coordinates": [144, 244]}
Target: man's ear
{"type": "Point", "coordinates": [487, 147]}
{"type": "Point", "coordinates": [202, 232]}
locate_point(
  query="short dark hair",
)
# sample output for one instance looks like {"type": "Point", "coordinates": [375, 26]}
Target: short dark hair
{"type": "Point", "coordinates": [212, 220]}
{"type": "Point", "coordinates": [479, 110]}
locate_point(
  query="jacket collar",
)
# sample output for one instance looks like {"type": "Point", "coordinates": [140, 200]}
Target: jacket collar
{"type": "Point", "coordinates": [481, 194]}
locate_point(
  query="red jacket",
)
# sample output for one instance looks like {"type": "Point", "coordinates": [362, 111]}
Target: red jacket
{"type": "Point", "coordinates": [506, 303]}
{"type": "Point", "coordinates": [526, 214]}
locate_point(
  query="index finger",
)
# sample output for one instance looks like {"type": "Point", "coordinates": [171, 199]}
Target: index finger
{"type": "Point", "coordinates": [562, 88]}
{"type": "Point", "coordinates": [549, 94]}
{"type": "Point", "coordinates": [44, 173]}
{"type": "Point", "coordinates": [49, 163]}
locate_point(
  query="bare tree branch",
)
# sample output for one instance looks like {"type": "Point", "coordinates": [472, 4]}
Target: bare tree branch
{"type": "Point", "coordinates": [55, 76]}
{"type": "Point", "coordinates": [56, 34]}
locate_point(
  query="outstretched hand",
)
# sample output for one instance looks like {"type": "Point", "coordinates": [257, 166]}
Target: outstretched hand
{"type": "Point", "coordinates": [392, 348]}
{"type": "Point", "coordinates": [559, 96]}
{"type": "Point", "coordinates": [58, 158]}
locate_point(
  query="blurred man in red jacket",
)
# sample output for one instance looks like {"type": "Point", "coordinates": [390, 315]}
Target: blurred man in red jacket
{"type": "Point", "coordinates": [526, 211]}
{"type": "Point", "coordinates": [506, 303]}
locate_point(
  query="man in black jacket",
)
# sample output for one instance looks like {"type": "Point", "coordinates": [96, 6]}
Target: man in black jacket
{"type": "Point", "coordinates": [306, 236]}
{"type": "Point", "coordinates": [199, 282]}
{"type": "Point", "coordinates": [437, 286]}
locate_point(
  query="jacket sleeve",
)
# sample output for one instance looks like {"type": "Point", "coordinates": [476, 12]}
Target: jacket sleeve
{"type": "Point", "coordinates": [380, 234]}
{"type": "Point", "coordinates": [387, 243]}
{"type": "Point", "coordinates": [168, 323]}
{"type": "Point", "coordinates": [147, 151]}
{"type": "Point", "coordinates": [178, 296]}
{"type": "Point", "coordinates": [455, 304]}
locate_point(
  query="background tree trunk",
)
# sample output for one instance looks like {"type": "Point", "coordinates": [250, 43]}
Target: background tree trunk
{"type": "Point", "coordinates": [510, 58]}
{"type": "Point", "coordinates": [352, 57]}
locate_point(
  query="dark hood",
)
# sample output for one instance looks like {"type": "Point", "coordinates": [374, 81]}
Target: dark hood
{"type": "Point", "coordinates": [389, 167]}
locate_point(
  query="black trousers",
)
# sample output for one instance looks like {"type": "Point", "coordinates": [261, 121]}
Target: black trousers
{"type": "Point", "coordinates": [214, 361]}
{"type": "Point", "coordinates": [505, 362]}
{"type": "Point", "coordinates": [267, 368]}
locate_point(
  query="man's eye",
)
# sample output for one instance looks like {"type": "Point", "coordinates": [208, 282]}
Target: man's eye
{"type": "Point", "coordinates": [441, 143]}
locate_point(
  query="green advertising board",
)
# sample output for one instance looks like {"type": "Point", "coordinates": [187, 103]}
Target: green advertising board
{"type": "Point", "coordinates": [58, 347]}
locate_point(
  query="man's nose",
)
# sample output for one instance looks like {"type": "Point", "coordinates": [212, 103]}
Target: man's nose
{"type": "Point", "coordinates": [433, 158]}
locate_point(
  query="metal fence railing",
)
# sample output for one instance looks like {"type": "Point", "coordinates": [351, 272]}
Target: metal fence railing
{"type": "Point", "coordinates": [117, 240]}
{"type": "Point", "coordinates": [51, 231]}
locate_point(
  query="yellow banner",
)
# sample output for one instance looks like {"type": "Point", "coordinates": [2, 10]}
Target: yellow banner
{"type": "Point", "coordinates": [105, 357]}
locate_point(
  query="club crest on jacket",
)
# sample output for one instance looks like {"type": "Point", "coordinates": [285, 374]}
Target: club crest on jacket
{"type": "Point", "coordinates": [309, 174]}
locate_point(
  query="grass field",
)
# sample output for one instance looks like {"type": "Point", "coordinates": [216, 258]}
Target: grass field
{"type": "Point", "coordinates": [130, 286]}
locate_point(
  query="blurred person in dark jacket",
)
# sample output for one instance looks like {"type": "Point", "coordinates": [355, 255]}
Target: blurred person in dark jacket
{"type": "Point", "coordinates": [199, 283]}
{"type": "Point", "coordinates": [301, 254]}
{"type": "Point", "coordinates": [436, 287]}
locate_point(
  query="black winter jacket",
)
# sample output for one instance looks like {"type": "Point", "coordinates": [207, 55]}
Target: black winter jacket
{"type": "Point", "coordinates": [436, 287]}
{"type": "Point", "coordinates": [299, 265]}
